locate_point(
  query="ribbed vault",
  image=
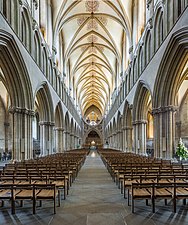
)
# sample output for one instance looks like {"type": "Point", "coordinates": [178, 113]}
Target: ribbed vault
{"type": "Point", "coordinates": [92, 33]}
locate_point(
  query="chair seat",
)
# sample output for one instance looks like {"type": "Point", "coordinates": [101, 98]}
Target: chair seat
{"type": "Point", "coordinates": [141, 192]}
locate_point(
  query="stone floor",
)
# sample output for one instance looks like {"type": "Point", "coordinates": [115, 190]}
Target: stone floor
{"type": "Point", "coordinates": [94, 199]}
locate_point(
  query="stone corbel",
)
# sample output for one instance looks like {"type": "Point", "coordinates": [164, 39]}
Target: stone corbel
{"type": "Point", "coordinates": [20, 2]}
{"type": "Point", "coordinates": [131, 49]}
{"type": "Point", "coordinates": [35, 25]}
{"type": "Point", "coordinates": [54, 49]}
{"type": "Point", "coordinates": [150, 23]}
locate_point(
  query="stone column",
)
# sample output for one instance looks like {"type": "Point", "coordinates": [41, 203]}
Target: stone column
{"type": "Point", "coordinates": [109, 143]}
{"type": "Point", "coordinates": [67, 140]}
{"type": "Point", "coordinates": [59, 139]}
{"type": "Point", "coordinates": [127, 136]}
{"type": "Point", "coordinates": [136, 146]}
{"type": "Point", "coordinates": [164, 131]}
{"type": "Point", "coordinates": [139, 127]}
{"type": "Point", "coordinates": [120, 140]}
{"type": "Point", "coordinates": [123, 139]}
{"type": "Point", "coordinates": [114, 140]}
{"type": "Point", "coordinates": [6, 126]}
{"type": "Point", "coordinates": [64, 141]}
{"type": "Point", "coordinates": [46, 137]}
{"type": "Point", "coordinates": [22, 141]}
{"type": "Point", "coordinates": [71, 141]}
{"type": "Point", "coordinates": [129, 139]}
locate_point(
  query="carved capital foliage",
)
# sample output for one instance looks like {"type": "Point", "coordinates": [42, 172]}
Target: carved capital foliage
{"type": "Point", "coordinates": [140, 122]}
{"type": "Point", "coordinates": [164, 109]}
{"type": "Point", "coordinates": [20, 110]}
{"type": "Point", "coordinates": [46, 123]}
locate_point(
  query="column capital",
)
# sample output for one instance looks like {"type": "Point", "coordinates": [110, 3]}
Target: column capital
{"type": "Point", "coordinates": [164, 109]}
{"type": "Point", "coordinates": [46, 123]}
{"type": "Point", "coordinates": [59, 128]}
{"type": "Point", "coordinates": [140, 122]}
{"type": "Point", "coordinates": [15, 109]}
{"type": "Point", "coordinates": [119, 131]}
{"type": "Point", "coordinates": [66, 132]}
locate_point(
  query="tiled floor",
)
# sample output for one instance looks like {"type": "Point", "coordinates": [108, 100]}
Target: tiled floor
{"type": "Point", "coordinates": [94, 199]}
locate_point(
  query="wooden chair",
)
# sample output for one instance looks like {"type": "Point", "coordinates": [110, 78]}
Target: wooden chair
{"type": "Point", "coordinates": [45, 192]}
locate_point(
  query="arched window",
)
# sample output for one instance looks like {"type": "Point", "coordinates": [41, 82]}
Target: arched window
{"type": "Point", "coordinates": [159, 35]}
{"type": "Point", "coordinates": [148, 52]}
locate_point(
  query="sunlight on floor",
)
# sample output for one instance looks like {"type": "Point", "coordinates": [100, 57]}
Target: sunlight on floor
{"type": "Point", "coordinates": [93, 154]}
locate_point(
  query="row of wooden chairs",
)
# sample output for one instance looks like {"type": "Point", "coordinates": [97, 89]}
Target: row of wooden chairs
{"type": "Point", "coordinates": [34, 179]}
{"type": "Point", "coordinates": [32, 192]}
{"type": "Point", "coordinates": [143, 179]}
{"type": "Point", "coordinates": [153, 191]}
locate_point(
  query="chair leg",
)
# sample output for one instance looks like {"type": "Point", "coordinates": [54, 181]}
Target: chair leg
{"type": "Point", "coordinates": [184, 201]}
{"type": "Point", "coordinates": [124, 192]}
{"type": "Point", "coordinates": [121, 184]}
{"type": "Point", "coordinates": [147, 202]}
{"type": "Point", "coordinates": [12, 206]}
{"type": "Point", "coordinates": [64, 193]}
{"type": "Point", "coordinates": [174, 204]}
{"type": "Point", "coordinates": [165, 201]}
{"type": "Point", "coordinates": [54, 206]}
{"type": "Point", "coordinates": [59, 198]}
{"type": "Point", "coordinates": [132, 206]}
{"type": "Point", "coordinates": [153, 205]}
{"type": "Point", "coordinates": [34, 206]}
{"type": "Point", "coordinates": [128, 197]}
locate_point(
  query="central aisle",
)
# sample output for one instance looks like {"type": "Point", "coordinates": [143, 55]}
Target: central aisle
{"type": "Point", "coordinates": [94, 199]}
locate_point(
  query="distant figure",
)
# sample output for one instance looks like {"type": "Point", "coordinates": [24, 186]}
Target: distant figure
{"type": "Point", "coordinates": [8, 156]}
{"type": "Point", "coordinates": [4, 156]}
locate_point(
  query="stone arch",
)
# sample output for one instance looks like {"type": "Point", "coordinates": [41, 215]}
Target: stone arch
{"type": "Point", "coordinates": [97, 132]}
{"type": "Point", "coordinates": [59, 117]}
{"type": "Point", "coordinates": [127, 127]}
{"type": "Point", "coordinates": [37, 48]}
{"type": "Point", "coordinates": [44, 108]}
{"type": "Point", "coordinates": [59, 128]}
{"type": "Point", "coordinates": [140, 61]}
{"type": "Point", "coordinates": [45, 103]}
{"type": "Point", "coordinates": [169, 80]}
{"type": "Point", "coordinates": [158, 27]}
{"type": "Point", "coordinates": [16, 72]}
{"type": "Point", "coordinates": [45, 61]}
{"type": "Point", "coordinates": [14, 76]}
{"type": "Point", "coordinates": [26, 28]}
{"type": "Point", "coordinates": [142, 105]}
{"type": "Point", "coordinates": [172, 61]}
{"type": "Point", "coordinates": [148, 47]}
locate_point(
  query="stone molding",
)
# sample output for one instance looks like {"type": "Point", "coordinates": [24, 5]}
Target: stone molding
{"type": "Point", "coordinates": [127, 128]}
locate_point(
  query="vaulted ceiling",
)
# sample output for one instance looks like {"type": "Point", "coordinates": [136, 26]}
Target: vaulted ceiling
{"type": "Point", "coordinates": [92, 33]}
